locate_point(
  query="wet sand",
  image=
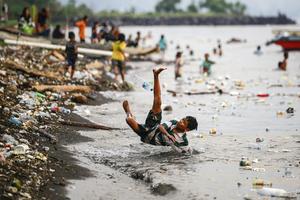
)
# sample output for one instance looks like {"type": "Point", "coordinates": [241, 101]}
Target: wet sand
{"type": "Point", "coordinates": [125, 168]}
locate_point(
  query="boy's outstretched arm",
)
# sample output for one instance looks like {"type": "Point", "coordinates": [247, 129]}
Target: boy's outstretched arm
{"type": "Point", "coordinates": [165, 133]}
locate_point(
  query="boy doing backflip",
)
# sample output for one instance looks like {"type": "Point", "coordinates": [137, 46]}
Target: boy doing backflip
{"type": "Point", "coordinates": [172, 133]}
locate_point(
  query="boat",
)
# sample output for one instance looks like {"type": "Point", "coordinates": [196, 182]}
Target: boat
{"type": "Point", "coordinates": [287, 32]}
{"type": "Point", "coordinates": [103, 49]}
{"type": "Point", "coordinates": [288, 43]}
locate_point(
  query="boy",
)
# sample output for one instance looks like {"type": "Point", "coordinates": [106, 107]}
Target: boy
{"type": "Point", "coordinates": [206, 64]}
{"type": "Point", "coordinates": [162, 44]}
{"type": "Point", "coordinates": [171, 133]}
{"type": "Point", "coordinates": [178, 65]}
{"type": "Point", "coordinates": [118, 56]}
{"type": "Point", "coordinates": [282, 65]}
{"type": "Point", "coordinates": [71, 51]}
{"type": "Point", "coordinates": [81, 24]}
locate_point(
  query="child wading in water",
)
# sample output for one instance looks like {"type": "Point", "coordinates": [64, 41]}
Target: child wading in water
{"type": "Point", "coordinates": [206, 65]}
{"type": "Point", "coordinates": [71, 51]}
{"type": "Point", "coordinates": [282, 65]}
{"type": "Point", "coordinates": [178, 65]}
{"type": "Point", "coordinates": [172, 133]}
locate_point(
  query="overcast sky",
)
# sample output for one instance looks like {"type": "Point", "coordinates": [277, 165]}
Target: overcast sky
{"type": "Point", "coordinates": [255, 7]}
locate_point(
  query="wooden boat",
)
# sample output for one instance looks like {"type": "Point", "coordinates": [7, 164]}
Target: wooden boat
{"type": "Point", "coordinates": [11, 34]}
{"type": "Point", "coordinates": [287, 43]}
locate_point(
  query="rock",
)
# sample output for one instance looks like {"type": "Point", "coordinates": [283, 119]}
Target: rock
{"type": "Point", "coordinates": [162, 188]}
{"type": "Point", "coordinates": [168, 108]}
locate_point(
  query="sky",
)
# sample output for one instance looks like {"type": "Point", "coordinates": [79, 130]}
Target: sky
{"type": "Point", "coordinates": [254, 7]}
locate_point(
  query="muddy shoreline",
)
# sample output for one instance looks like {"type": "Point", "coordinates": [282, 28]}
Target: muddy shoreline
{"type": "Point", "coordinates": [66, 166]}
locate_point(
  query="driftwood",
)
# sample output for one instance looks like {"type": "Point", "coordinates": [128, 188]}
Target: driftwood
{"type": "Point", "coordinates": [87, 125]}
{"type": "Point", "coordinates": [219, 91]}
{"type": "Point", "coordinates": [63, 88]}
{"type": "Point", "coordinates": [200, 93]}
{"type": "Point", "coordinates": [15, 66]}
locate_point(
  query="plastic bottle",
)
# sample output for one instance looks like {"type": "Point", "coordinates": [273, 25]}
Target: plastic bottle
{"type": "Point", "coordinates": [65, 110]}
{"type": "Point", "coordinates": [40, 96]}
{"type": "Point", "coordinates": [138, 82]}
{"type": "Point", "coordinates": [15, 121]}
{"type": "Point", "coordinates": [110, 75]}
{"type": "Point", "coordinates": [276, 192]}
{"type": "Point", "coordinates": [147, 86]}
{"type": "Point", "coordinates": [20, 149]}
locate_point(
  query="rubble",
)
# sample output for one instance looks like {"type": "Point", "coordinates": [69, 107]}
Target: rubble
{"type": "Point", "coordinates": [34, 95]}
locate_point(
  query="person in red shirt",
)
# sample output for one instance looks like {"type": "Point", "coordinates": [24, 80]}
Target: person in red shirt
{"type": "Point", "coordinates": [81, 24]}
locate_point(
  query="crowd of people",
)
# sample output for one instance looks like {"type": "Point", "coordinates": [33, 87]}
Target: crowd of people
{"type": "Point", "coordinates": [105, 32]}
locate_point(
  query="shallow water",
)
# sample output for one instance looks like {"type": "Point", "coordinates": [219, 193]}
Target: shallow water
{"type": "Point", "coordinates": [213, 171]}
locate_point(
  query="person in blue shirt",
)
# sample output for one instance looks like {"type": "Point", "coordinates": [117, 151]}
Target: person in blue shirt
{"type": "Point", "coordinates": [162, 45]}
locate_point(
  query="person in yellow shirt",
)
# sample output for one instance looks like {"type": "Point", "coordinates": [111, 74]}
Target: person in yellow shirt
{"type": "Point", "coordinates": [81, 24]}
{"type": "Point", "coordinates": [118, 56]}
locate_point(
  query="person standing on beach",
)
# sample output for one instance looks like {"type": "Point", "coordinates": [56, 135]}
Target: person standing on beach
{"type": "Point", "coordinates": [171, 133]}
{"type": "Point", "coordinates": [118, 56]}
{"type": "Point", "coordinates": [162, 45]}
{"type": "Point", "coordinates": [4, 16]}
{"type": "Point", "coordinates": [178, 65]}
{"type": "Point", "coordinates": [81, 24]}
{"type": "Point", "coordinates": [206, 65]}
{"type": "Point", "coordinates": [283, 65]}
{"type": "Point", "coordinates": [137, 39]}
{"type": "Point", "coordinates": [71, 51]}
{"type": "Point", "coordinates": [220, 50]}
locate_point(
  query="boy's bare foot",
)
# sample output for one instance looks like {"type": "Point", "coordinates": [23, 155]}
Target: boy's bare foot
{"type": "Point", "coordinates": [127, 109]}
{"type": "Point", "coordinates": [157, 71]}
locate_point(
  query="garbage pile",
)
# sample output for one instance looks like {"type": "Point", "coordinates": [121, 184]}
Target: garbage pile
{"type": "Point", "coordinates": [34, 96]}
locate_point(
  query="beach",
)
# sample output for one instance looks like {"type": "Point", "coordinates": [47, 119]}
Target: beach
{"type": "Point", "coordinates": [249, 119]}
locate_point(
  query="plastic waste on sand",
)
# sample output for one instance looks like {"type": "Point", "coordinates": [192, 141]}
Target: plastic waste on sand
{"type": "Point", "coordinates": [15, 121]}
{"type": "Point", "coordinates": [20, 149]}
{"type": "Point", "coordinates": [138, 82]}
{"type": "Point", "coordinates": [275, 192]}
{"type": "Point", "coordinates": [261, 182]}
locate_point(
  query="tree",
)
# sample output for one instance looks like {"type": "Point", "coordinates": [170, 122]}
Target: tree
{"type": "Point", "coordinates": [237, 8]}
{"type": "Point", "coordinates": [167, 6]}
{"type": "Point", "coordinates": [192, 7]}
{"type": "Point", "coordinates": [215, 6]}
{"type": "Point", "coordinates": [221, 6]}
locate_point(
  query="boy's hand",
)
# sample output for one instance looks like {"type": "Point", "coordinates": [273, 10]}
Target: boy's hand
{"type": "Point", "coordinates": [172, 138]}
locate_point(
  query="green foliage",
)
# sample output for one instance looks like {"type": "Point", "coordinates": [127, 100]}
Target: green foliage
{"type": "Point", "coordinates": [71, 11]}
{"type": "Point", "coordinates": [237, 8]}
{"type": "Point", "coordinates": [221, 6]}
{"type": "Point", "coordinates": [167, 6]}
{"type": "Point", "coordinates": [192, 7]}
{"type": "Point", "coordinates": [215, 6]}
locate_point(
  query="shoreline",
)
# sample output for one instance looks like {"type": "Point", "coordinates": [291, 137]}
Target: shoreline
{"type": "Point", "coordinates": [34, 163]}
{"type": "Point", "coordinates": [68, 167]}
